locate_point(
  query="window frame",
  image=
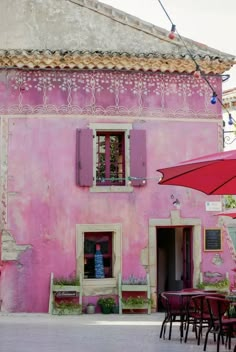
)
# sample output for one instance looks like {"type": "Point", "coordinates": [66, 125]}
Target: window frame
{"type": "Point", "coordinates": [113, 127]}
{"type": "Point", "coordinates": [108, 255]}
{"type": "Point", "coordinates": [106, 285]}
{"type": "Point", "coordinates": [107, 156]}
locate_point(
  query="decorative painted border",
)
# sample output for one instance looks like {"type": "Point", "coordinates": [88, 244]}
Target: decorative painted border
{"type": "Point", "coordinates": [107, 93]}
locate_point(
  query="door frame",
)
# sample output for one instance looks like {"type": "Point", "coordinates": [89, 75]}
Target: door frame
{"type": "Point", "coordinates": [173, 221]}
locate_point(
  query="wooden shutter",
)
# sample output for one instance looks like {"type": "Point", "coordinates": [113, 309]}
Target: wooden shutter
{"type": "Point", "coordinates": [138, 156]}
{"type": "Point", "coordinates": [84, 157]}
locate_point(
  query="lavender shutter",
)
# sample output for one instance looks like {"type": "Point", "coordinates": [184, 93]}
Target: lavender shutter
{"type": "Point", "coordinates": [138, 156]}
{"type": "Point", "coordinates": [84, 157]}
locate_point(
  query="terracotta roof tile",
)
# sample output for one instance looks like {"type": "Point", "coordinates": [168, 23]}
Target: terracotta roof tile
{"type": "Point", "coordinates": [111, 60]}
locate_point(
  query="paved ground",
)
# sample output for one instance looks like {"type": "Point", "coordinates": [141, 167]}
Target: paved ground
{"type": "Point", "coordinates": [91, 333]}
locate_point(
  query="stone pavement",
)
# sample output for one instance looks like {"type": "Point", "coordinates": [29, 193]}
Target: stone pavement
{"type": "Point", "coordinates": [21, 332]}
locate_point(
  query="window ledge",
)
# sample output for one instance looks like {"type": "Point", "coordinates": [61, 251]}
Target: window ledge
{"type": "Point", "coordinates": [114, 189]}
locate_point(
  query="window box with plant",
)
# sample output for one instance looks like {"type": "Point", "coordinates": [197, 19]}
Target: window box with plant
{"type": "Point", "coordinates": [137, 302]}
{"type": "Point", "coordinates": [66, 307]}
{"type": "Point", "coordinates": [136, 285]}
{"type": "Point", "coordinates": [66, 284]}
{"type": "Point", "coordinates": [133, 283]}
{"type": "Point", "coordinates": [219, 285]}
{"type": "Point", "coordinates": [65, 295]}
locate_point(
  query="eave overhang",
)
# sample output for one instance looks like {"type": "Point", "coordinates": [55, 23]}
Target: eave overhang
{"type": "Point", "coordinates": [154, 62]}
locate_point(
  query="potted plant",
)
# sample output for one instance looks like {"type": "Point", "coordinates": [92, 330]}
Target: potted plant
{"type": "Point", "coordinates": [106, 304]}
{"type": "Point", "coordinates": [90, 308]}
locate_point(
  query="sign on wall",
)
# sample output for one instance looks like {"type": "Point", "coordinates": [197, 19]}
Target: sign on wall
{"type": "Point", "coordinates": [213, 239]}
{"type": "Point", "coordinates": [213, 206]}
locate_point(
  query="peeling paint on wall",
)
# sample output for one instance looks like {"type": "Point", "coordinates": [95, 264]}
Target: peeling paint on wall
{"type": "Point", "coordinates": [11, 250]}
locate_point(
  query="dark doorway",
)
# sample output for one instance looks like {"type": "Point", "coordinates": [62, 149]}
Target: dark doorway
{"type": "Point", "coordinates": [174, 259]}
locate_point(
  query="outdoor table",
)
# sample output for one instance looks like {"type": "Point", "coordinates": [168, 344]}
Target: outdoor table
{"type": "Point", "coordinates": [185, 300]}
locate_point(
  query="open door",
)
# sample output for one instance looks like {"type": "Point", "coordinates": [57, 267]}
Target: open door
{"type": "Point", "coordinates": [174, 259]}
{"type": "Point", "coordinates": [187, 257]}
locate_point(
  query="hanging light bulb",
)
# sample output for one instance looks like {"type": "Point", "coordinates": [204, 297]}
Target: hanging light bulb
{"type": "Point", "coordinates": [172, 32]}
{"type": "Point", "coordinates": [231, 120]}
{"type": "Point", "coordinates": [214, 98]}
{"type": "Point", "coordinates": [197, 73]}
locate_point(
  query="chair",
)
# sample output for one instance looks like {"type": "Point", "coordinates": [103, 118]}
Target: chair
{"type": "Point", "coordinates": [220, 323]}
{"type": "Point", "coordinates": [174, 312]}
{"type": "Point", "coordinates": [198, 315]}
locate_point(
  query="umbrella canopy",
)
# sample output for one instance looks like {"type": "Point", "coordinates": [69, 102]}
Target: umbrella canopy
{"type": "Point", "coordinates": [211, 174]}
{"type": "Point", "coordinates": [228, 212]}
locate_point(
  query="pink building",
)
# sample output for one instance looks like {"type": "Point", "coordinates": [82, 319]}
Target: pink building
{"type": "Point", "coordinates": [93, 101]}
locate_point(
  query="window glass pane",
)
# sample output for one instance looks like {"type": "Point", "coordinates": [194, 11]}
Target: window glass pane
{"type": "Point", "coordinates": [116, 157]}
{"type": "Point", "coordinates": [110, 158]}
{"type": "Point", "coordinates": [104, 240]}
{"type": "Point", "coordinates": [100, 157]}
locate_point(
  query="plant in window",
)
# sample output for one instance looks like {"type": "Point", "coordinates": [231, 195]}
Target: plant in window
{"type": "Point", "coordinates": [110, 158]}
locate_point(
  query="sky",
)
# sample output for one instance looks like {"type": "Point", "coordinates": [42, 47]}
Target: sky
{"type": "Point", "coordinates": [211, 22]}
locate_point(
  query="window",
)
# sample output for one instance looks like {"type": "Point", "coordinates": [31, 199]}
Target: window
{"type": "Point", "coordinates": [110, 157]}
{"type": "Point", "coordinates": [112, 253]}
{"type": "Point", "coordinates": [94, 241]}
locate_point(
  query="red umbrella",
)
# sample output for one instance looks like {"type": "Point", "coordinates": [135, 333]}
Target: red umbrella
{"type": "Point", "coordinates": [228, 212]}
{"type": "Point", "coordinates": [211, 174]}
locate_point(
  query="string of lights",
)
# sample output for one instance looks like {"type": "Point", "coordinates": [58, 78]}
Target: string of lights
{"type": "Point", "coordinates": [129, 179]}
{"type": "Point", "coordinates": [198, 72]}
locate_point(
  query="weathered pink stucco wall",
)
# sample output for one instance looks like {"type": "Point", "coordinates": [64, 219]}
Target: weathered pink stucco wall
{"type": "Point", "coordinates": [44, 202]}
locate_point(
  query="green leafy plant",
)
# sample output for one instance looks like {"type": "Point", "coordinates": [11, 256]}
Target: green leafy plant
{"type": "Point", "coordinates": [216, 284]}
{"type": "Point", "coordinates": [63, 307]}
{"type": "Point", "coordinates": [136, 301]}
{"type": "Point", "coordinates": [232, 312]}
{"type": "Point", "coordinates": [106, 302]}
{"type": "Point", "coordinates": [230, 201]}
{"type": "Point", "coordinates": [67, 281]}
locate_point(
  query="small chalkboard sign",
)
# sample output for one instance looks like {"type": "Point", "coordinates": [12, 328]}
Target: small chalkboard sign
{"type": "Point", "coordinates": [213, 240]}
{"type": "Point", "coordinates": [66, 294]}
